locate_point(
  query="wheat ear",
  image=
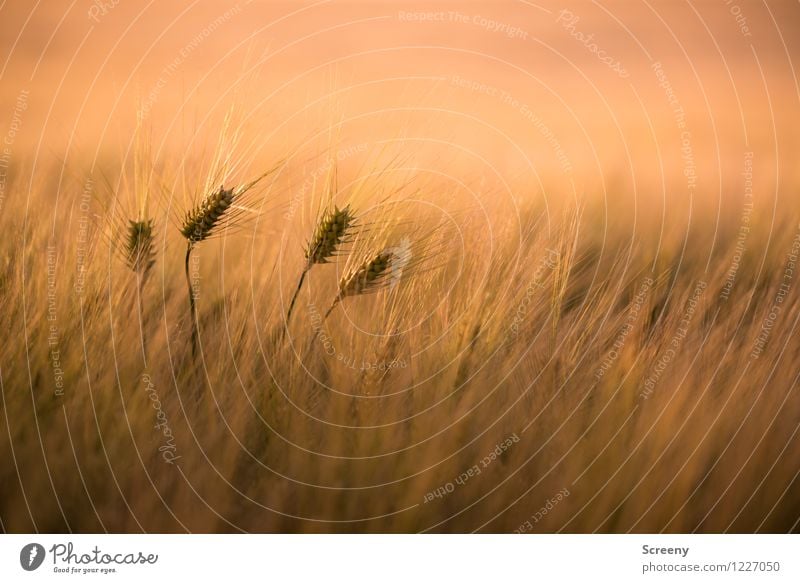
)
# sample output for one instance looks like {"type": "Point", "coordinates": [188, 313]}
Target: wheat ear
{"type": "Point", "coordinates": [199, 224]}
{"type": "Point", "coordinates": [331, 232]}
{"type": "Point", "coordinates": [206, 219]}
{"type": "Point", "coordinates": [139, 250]}
{"type": "Point", "coordinates": [371, 276]}
{"type": "Point", "coordinates": [140, 255]}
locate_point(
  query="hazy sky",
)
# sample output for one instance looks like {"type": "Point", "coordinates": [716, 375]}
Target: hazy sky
{"type": "Point", "coordinates": [573, 92]}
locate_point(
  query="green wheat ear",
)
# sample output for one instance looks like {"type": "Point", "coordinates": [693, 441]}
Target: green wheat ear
{"type": "Point", "coordinates": [331, 232]}
{"type": "Point", "coordinates": [370, 276]}
{"type": "Point", "coordinates": [139, 250]}
{"type": "Point", "coordinates": [207, 218]}
{"type": "Point", "coordinates": [201, 221]}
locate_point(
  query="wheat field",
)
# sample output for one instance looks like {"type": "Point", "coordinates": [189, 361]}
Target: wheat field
{"type": "Point", "coordinates": [650, 391]}
{"type": "Point", "coordinates": [224, 316]}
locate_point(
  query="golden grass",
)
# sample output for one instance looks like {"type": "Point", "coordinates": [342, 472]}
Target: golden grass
{"type": "Point", "coordinates": [621, 372]}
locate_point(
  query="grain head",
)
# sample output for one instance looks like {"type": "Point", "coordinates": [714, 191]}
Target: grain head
{"type": "Point", "coordinates": [331, 232]}
{"type": "Point", "coordinates": [371, 276]}
{"type": "Point", "coordinates": [139, 250]}
{"type": "Point", "coordinates": [202, 221]}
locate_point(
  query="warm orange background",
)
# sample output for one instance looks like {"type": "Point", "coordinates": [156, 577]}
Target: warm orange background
{"type": "Point", "coordinates": [301, 66]}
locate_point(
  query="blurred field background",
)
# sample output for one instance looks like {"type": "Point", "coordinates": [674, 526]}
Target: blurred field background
{"type": "Point", "coordinates": [615, 311]}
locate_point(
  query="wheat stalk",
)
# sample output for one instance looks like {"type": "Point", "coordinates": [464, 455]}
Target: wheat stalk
{"type": "Point", "coordinates": [131, 231]}
{"type": "Point", "coordinates": [216, 212]}
{"type": "Point", "coordinates": [140, 256]}
{"type": "Point", "coordinates": [199, 224]}
{"type": "Point", "coordinates": [370, 276]}
{"type": "Point", "coordinates": [329, 235]}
